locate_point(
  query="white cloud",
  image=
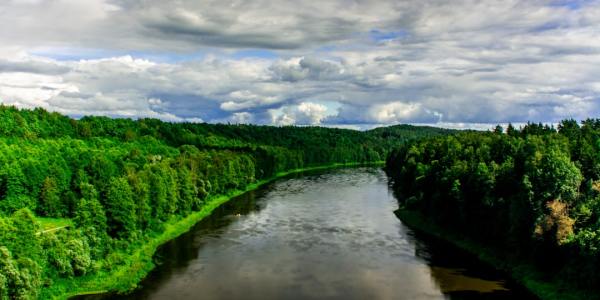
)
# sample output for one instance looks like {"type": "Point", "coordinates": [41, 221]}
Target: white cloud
{"type": "Point", "coordinates": [241, 118]}
{"type": "Point", "coordinates": [313, 112]}
{"type": "Point", "coordinates": [458, 62]}
{"type": "Point", "coordinates": [305, 113]}
{"type": "Point", "coordinates": [399, 112]}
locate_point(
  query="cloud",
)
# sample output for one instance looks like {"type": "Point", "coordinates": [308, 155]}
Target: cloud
{"type": "Point", "coordinates": [246, 99]}
{"type": "Point", "coordinates": [184, 25]}
{"type": "Point", "coordinates": [336, 63]}
{"type": "Point", "coordinates": [313, 113]}
{"type": "Point", "coordinates": [399, 112]}
{"type": "Point", "coordinates": [32, 66]}
{"type": "Point", "coordinates": [305, 113]}
{"type": "Point", "coordinates": [242, 118]}
{"type": "Point", "coordinates": [307, 68]}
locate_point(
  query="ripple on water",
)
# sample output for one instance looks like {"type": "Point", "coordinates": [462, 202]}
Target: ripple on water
{"type": "Point", "coordinates": [331, 235]}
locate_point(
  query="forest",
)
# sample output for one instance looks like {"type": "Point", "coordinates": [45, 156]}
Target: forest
{"type": "Point", "coordinates": [531, 194]}
{"type": "Point", "coordinates": [78, 197]}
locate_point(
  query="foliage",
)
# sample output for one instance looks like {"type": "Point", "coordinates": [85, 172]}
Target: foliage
{"type": "Point", "coordinates": [102, 188]}
{"type": "Point", "coordinates": [530, 193]}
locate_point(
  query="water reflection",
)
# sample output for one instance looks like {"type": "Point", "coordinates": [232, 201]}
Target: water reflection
{"type": "Point", "coordinates": [454, 280]}
{"type": "Point", "coordinates": [328, 235]}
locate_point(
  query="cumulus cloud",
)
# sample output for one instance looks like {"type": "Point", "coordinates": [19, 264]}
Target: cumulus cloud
{"type": "Point", "coordinates": [335, 63]}
{"type": "Point", "coordinates": [399, 112]}
{"type": "Point", "coordinates": [305, 113]}
{"type": "Point", "coordinates": [312, 112]}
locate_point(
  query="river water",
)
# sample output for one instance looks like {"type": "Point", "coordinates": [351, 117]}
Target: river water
{"type": "Point", "coordinates": [324, 235]}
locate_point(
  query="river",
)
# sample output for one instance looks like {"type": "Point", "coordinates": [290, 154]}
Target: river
{"type": "Point", "coordinates": [320, 235]}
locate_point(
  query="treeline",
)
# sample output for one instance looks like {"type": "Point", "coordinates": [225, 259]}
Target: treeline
{"type": "Point", "coordinates": [317, 144]}
{"type": "Point", "coordinates": [114, 183]}
{"type": "Point", "coordinates": [532, 194]}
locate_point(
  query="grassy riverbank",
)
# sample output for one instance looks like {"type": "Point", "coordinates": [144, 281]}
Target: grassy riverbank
{"type": "Point", "coordinates": [139, 261]}
{"type": "Point", "coordinates": [523, 273]}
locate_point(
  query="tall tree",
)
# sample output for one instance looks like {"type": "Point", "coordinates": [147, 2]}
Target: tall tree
{"type": "Point", "coordinates": [120, 208]}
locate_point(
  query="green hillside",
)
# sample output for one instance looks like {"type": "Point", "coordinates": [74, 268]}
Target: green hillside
{"type": "Point", "coordinates": [84, 203]}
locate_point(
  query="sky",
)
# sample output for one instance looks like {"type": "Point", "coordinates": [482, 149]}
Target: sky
{"type": "Point", "coordinates": [343, 63]}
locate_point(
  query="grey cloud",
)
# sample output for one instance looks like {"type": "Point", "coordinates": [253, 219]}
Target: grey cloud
{"type": "Point", "coordinates": [76, 95]}
{"type": "Point", "coordinates": [457, 62]}
{"type": "Point", "coordinates": [32, 66]}
{"type": "Point", "coordinates": [186, 25]}
{"type": "Point", "coordinates": [307, 68]}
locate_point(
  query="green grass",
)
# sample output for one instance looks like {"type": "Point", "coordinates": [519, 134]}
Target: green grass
{"type": "Point", "coordinates": [139, 261]}
{"type": "Point", "coordinates": [522, 272]}
{"type": "Point", "coordinates": [48, 224]}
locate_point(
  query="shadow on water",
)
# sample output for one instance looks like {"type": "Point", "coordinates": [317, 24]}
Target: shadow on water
{"type": "Point", "coordinates": [459, 275]}
{"type": "Point", "coordinates": [318, 235]}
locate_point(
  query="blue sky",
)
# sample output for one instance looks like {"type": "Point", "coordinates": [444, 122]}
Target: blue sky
{"type": "Point", "coordinates": [350, 63]}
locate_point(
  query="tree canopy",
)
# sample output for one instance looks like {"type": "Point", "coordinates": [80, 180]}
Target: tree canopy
{"type": "Point", "coordinates": [532, 193]}
{"type": "Point", "coordinates": [120, 180]}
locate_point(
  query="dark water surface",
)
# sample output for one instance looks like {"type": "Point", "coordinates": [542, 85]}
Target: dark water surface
{"type": "Point", "coordinates": [327, 235]}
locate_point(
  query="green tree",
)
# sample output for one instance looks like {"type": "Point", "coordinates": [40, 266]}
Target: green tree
{"type": "Point", "coordinates": [19, 279]}
{"type": "Point", "coordinates": [141, 191]}
{"type": "Point", "coordinates": [51, 204]}
{"type": "Point", "coordinates": [120, 208]}
{"type": "Point", "coordinates": [158, 192]}
{"type": "Point", "coordinates": [186, 198]}
{"type": "Point", "coordinates": [557, 177]}
{"type": "Point", "coordinates": [69, 253]}
{"type": "Point", "coordinates": [90, 213]}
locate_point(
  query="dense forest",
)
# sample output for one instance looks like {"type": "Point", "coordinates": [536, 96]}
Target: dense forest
{"type": "Point", "coordinates": [532, 194]}
{"type": "Point", "coordinates": [78, 197]}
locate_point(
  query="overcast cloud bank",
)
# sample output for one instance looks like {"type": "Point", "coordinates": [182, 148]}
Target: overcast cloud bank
{"type": "Point", "coordinates": [334, 63]}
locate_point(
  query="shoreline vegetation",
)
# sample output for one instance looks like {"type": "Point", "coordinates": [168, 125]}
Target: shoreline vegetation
{"type": "Point", "coordinates": [525, 274]}
{"type": "Point", "coordinates": [126, 278]}
{"type": "Point", "coordinates": [525, 200]}
{"type": "Point", "coordinates": [85, 202]}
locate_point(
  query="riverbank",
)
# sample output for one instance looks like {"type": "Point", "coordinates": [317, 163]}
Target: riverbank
{"type": "Point", "coordinates": [140, 260]}
{"type": "Point", "coordinates": [523, 273]}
